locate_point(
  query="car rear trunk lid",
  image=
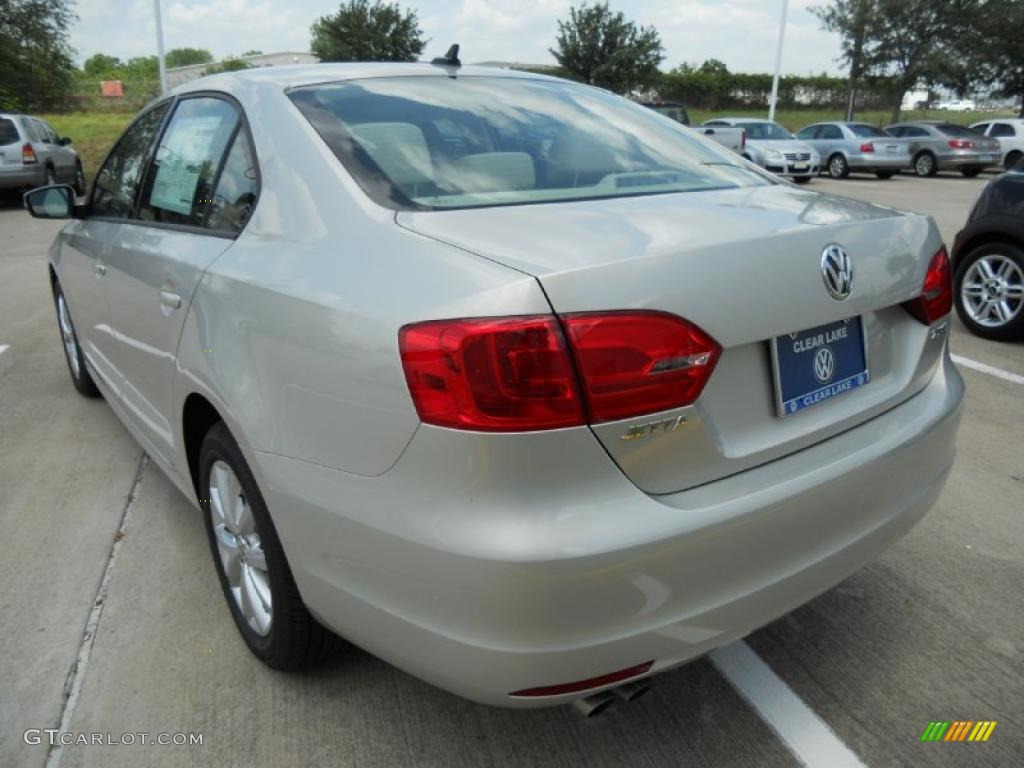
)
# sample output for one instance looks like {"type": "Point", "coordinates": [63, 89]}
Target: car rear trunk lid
{"type": "Point", "coordinates": [746, 266]}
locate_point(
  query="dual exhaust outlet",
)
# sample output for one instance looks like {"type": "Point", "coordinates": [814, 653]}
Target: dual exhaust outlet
{"type": "Point", "coordinates": [596, 703]}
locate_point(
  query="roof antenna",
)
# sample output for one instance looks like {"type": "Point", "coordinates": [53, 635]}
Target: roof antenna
{"type": "Point", "coordinates": [450, 59]}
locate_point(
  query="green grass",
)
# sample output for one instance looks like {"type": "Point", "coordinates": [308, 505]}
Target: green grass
{"type": "Point", "coordinates": [795, 119]}
{"type": "Point", "coordinates": [91, 133]}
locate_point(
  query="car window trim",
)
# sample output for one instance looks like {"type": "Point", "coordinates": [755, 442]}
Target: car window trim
{"type": "Point", "coordinates": [173, 101]}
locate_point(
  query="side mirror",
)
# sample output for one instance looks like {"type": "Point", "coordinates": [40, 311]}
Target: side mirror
{"type": "Point", "coordinates": [54, 202]}
{"type": "Point", "coordinates": [65, 141]}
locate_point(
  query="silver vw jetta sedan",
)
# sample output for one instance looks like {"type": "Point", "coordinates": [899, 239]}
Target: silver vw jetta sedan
{"type": "Point", "coordinates": [510, 381]}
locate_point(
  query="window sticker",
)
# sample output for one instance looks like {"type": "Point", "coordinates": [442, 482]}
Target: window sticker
{"type": "Point", "coordinates": [180, 160]}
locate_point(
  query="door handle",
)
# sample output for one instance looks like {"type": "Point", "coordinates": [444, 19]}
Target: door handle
{"type": "Point", "coordinates": [170, 299]}
{"type": "Point", "coordinates": [101, 270]}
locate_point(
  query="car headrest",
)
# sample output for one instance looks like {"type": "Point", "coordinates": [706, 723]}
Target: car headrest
{"type": "Point", "coordinates": [399, 149]}
{"type": "Point", "coordinates": [494, 172]}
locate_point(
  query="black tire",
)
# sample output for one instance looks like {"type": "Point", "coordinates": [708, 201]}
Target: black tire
{"type": "Point", "coordinates": [837, 166]}
{"type": "Point", "coordinates": [970, 173]}
{"type": "Point", "coordinates": [885, 175]}
{"type": "Point", "coordinates": [1012, 330]}
{"type": "Point", "coordinates": [295, 639]}
{"type": "Point", "coordinates": [925, 165]}
{"type": "Point", "coordinates": [79, 373]}
{"type": "Point", "coordinates": [802, 179]}
{"type": "Point", "coordinates": [1012, 159]}
{"type": "Point", "coordinates": [79, 184]}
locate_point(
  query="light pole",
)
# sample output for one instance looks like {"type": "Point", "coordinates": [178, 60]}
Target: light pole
{"type": "Point", "coordinates": [160, 47]}
{"type": "Point", "coordinates": [778, 61]}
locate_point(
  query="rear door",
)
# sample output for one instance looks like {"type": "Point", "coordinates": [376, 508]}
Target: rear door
{"type": "Point", "coordinates": [196, 196]}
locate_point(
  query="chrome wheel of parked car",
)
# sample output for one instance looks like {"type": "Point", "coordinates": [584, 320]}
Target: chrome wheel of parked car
{"type": "Point", "coordinates": [990, 291]}
{"type": "Point", "coordinates": [241, 551]}
{"type": "Point", "coordinates": [251, 565]}
{"type": "Point", "coordinates": [838, 168]}
{"type": "Point", "coordinates": [924, 164]}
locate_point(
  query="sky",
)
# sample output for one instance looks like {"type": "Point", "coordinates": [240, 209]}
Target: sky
{"type": "Point", "coordinates": [742, 33]}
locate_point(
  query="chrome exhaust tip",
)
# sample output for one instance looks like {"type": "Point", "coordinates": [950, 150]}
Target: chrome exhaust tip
{"type": "Point", "coordinates": [595, 704]}
{"type": "Point", "coordinates": [634, 690]}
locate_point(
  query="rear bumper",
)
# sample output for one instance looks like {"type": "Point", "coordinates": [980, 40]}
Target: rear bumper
{"type": "Point", "coordinates": [18, 176]}
{"type": "Point", "coordinates": [968, 159]}
{"type": "Point", "coordinates": [874, 161]}
{"type": "Point", "coordinates": [484, 573]}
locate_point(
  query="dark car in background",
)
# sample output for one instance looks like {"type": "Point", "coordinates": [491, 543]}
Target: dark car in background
{"type": "Point", "coordinates": [988, 260]}
{"type": "Point", "coordinates": [33, 155]}
{"type": "Point", "coordinates": [937, 146]}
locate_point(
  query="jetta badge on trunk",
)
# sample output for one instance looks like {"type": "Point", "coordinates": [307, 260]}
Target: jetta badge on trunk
{"type": "Point", "coordinates": [837, 272]}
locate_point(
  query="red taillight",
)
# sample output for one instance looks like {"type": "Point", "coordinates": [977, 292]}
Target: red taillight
{"type": "Point", "coordinates": [936, 299]}
{"type": "Point", "coordinates": [585, 685]}
{"type": "Point", "coordinates": [867, 146]}
{"type": "Point", "coordinates": [28, 155]}
{"type": "Point", "coordinates": [491, 374]}
{"type": "Point", "coordinates": [517, 374]}
{"type": "Point", "coordinates": [960, 144]}
{"type": "Point", "coordinates": [639, 362]}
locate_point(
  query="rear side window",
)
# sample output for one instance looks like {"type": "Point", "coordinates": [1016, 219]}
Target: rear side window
{"type": "Point", "coordinates": [1002, 130]}
{"type": "Point", "coordinates": [179, 185]}
{"type": "Point", "coordinates": [236, 189]}
{"type": "Point", "coordinates": [118, 180]}
{"type": "Point", "coordinates": [8, 131]}
{"type": "Point", "coordinates": [830, 132]}
{"type": "Point", "coordinates": [865, 131]}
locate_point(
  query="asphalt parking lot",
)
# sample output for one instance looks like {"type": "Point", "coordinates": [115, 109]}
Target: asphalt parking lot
{"type": "Point", "coordinates": [113, 621]}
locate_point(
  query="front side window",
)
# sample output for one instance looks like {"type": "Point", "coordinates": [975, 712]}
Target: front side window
{"type": "Point", "coordinates": [118, 180]}
{"type": "Point", "coordinates": [981, 127]}
{"type": "Point", "coordinates": [434, 142]}
{"type": "Point", "coordinates": [809, 132]}
{"type": "Point", "coordinates": [179, 185]}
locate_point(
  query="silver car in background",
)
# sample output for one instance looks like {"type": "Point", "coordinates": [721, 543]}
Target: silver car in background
{"type": "Point", "coordinates": [936, 146]}
{"type": "Point", "coordinates": [846, 147]}
{"type": "Point", "coordinates": [32, 154]}
{"type": "Point", "coordinates": [774, 148]}
{"type": "Point", "coordinates": [512, 382]}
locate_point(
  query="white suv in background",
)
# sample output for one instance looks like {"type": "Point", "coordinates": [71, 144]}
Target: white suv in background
{"type": "Point", "coordinates": [1009, 133]}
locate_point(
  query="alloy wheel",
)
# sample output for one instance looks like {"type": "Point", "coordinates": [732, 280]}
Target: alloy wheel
{"type": "Point", "coordinates": [924, 165]}
{"type": "Point", "coordinates": [993, 291]}
{"type": "Point", "coordinates": [240, 548]}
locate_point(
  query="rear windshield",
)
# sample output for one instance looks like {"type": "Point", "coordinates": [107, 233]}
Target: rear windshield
{"type": "Point", "coordinates": [8, 131]}
{"type": "Point", "coordinates": [442, 143]}
{"type": "Point", "coordinates": [770, 131]}
{"type": "Point", "coordinates": [957, 130]}
{"type": "Point", "coordinates": [673, 112]}
{"type": "Point", "coordinates": [865, 131]}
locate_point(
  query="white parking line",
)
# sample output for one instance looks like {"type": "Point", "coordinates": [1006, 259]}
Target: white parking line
{"type": "Point", "coordinates": [991, 370]}
{"type": "Point", "coordinates": [807, 736]}
{"type": "Point", "coordinates": [4, 348]}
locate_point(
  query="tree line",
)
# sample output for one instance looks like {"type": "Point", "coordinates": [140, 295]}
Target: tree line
{"type": "Point", "coordinates": [888, 47]}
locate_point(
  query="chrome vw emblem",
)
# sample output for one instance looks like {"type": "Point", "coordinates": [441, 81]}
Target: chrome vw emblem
{"type": "Point", "coordinates": [837, 272]}
{"type": "Point", "coordinates": [824, 365]}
